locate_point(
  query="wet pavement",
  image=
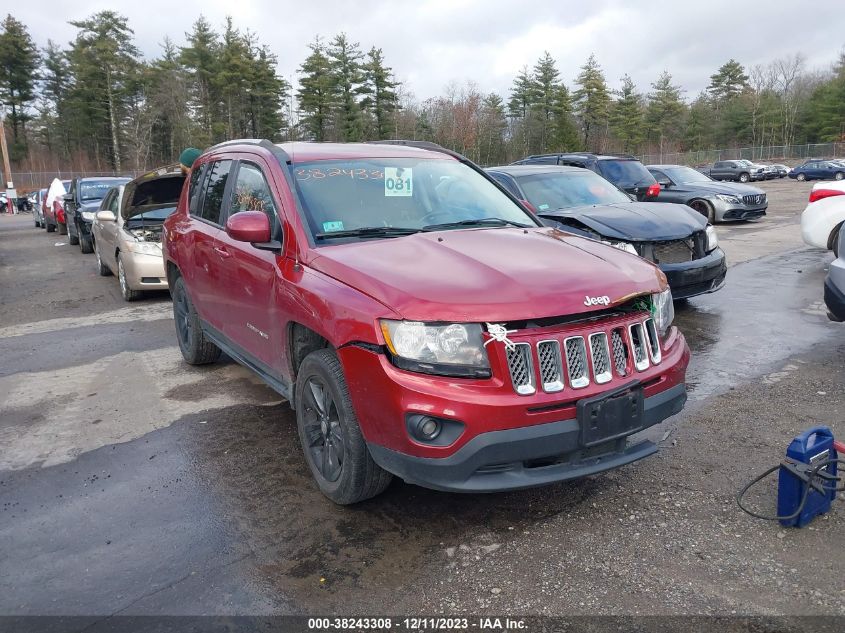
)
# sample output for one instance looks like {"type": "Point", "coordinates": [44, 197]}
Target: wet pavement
{"type": "Point", "coordinates": [133, 484]}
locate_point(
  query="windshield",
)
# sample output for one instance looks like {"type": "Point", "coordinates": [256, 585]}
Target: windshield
{"type": "Point", "coordinates": [563, 190]}
{"type": "Point", "coordinates": [625, 173]}
{"type": "Point", "coordinates": [394, 196]}
{"type": "Point", "coordinates": [95, 189]}
{"type": "Point", "coordinates": [684, 175]}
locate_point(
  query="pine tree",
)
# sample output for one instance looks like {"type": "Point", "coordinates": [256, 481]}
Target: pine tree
{"type": "Point", "coordinates": [592, 101]}
{"type": "Point", "coordinates": [345, 61]}
{"type": "Point", "coordinates": [268, 93]}
{"type": "Point", "coordinates": [728, 82]}
{"type": "Point", "coordinates": [201, 59]}
{"type": "Point", "coordinates": [665, 110]}
{"type": "Point", "coordinates": [564, 130]}
{"type": "Point", "coordinates": [522, 94]}
{"type": "Point", "coordinates": [18, 75]}
{"type": "Point", "coordinates": [231, 80]}
{"type": "Point", "coordinates": [316, 92]}
{"type": "Point", "coordinates": [104, 63]}
{"type": "Point", "coordinates": [626, 116]}
{"type": "Point", "coordinates": [167, 85]}
{"type": "Point", "coordinates": [544, 95]}
{"type": "Point", "coordinates": [379, 87]}
{"type": "Point", "coordinates": [491, 127]}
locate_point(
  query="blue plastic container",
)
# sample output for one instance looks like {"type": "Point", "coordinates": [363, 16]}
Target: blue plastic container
{"type": "Point", "coordinates": [813, 446]}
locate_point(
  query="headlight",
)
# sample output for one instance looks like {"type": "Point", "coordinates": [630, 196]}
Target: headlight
{"type": "Point", "coordinates": [89, 215]}
{"type": "Point", "coordinates": [623, 246]}
{"type": "Point", "coordinates": [144, 248]}
{"type": "Point", "coordinates": [663, 310]}
{"type": "Point", "coordinates": [712, 239]}
{"type": "Point", "coordinates": [454, 349]}
{"type": "Point", "coordinates": [729, 199]}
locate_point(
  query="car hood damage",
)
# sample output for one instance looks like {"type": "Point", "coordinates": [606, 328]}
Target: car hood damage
{"type": "Point", "coordinates": [478, 275]}
{"type": "Point", "coordinates": [634, 221]}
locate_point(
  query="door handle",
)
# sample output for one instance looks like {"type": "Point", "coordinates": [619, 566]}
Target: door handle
{"type": "Point", "coordinates": [220, 250]}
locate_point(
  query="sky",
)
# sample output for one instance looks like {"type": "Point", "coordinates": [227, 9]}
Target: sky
{"type": "Point", "coordinates": [431, 43]}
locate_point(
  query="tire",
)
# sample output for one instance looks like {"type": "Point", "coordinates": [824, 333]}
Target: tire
{"type": "Point", "coordinates": [125, 291]}
{"type": "Point", "coordinates": [839, 175]}
{"type": "Point", "coordinates": [833, 240]}
{"type": "Point", "coordinates": [85, 244]}
{"type": "Point", "coordinates": [63, 229]}
{"type": "Point", "coordinates": [328, 427]}
{"type": "Point", "coordinates": [37, 224]}
{"type": "Point", "coordinates": [704, 208]}
{"type": "Point", "coordinates": [801, 177]}
{"type": "Point", "coordinates": [743, 177]}
{"type": "Point", "coordinates": [51, 227]}
{"type": "Point", "coordinates": [195, 347]}
{"type": "Point", "coordinates": [102, 269]}
{"type": "Point", "coordinates": [72, 239]}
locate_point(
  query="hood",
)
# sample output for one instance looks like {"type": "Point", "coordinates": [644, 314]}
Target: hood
{"type": "Point", "coordinates": [636, 221]}
{"type": "Point", "coordinates": [730, 188]}
{"type": "Point", "coordinates": [488, 275]}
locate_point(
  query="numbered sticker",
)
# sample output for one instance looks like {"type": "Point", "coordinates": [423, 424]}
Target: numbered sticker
{"type": "Point", "coordinates": [398, 181]}
{"type": "Point", "coordinates": [328, 227]}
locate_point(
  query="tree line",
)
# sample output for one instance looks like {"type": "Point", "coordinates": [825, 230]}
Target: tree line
{"type": "Point", "coordinates": [96, 103]}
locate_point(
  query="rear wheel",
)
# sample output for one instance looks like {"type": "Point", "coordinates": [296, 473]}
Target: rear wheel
{"type": "Point", "coordinates": [72, 239]}
{"type": "Point", "coordinates": [839, 175]}
{"type": "Point", "coordinates": [704, 208]}
{"type": "Point", "coordinates": [63, 230]}
{"type": "Point", "coordinates": [50, 227]}
{"type": "Point", "coordinates": [833, 240]}
{"type": "Point", "coordinates": [743, 177]}
{"type": "Point", "coordinates": [331, 438]}
{"type": "Point", "coordinates": [195, 347]}
{"type": "Point", "coordinates": [801, 177]}
{"type": "Point", "coordinates": [127, 292]}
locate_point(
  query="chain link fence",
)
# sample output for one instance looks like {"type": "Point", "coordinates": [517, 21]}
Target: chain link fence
{"type": "Point", "coordinates": [26, 181]}
{"type": "Point", "coordinates": [770, 153]}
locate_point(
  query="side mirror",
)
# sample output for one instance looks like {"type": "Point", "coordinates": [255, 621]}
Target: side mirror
{"type": "Point", "coordinates": [105, 216]}
{"type": "Point", "coordinates": [249, 226]}
{"type": "Point", "coordinates": [665, 184]}
{"type": "Point", "coordinates": [67, 197]}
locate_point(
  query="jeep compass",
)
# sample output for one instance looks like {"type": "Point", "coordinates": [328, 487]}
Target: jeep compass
{"type": "Point", "coordinates": [419, 319]}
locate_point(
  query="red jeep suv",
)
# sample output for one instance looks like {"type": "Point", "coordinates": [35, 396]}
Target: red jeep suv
{"type": "Point", "coordinates": [420, 321]}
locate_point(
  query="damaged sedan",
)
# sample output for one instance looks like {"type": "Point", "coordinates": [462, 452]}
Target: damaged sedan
{"type": "Point", "coordinates": [673, 236]}
{"type": "Point", "coordinates": [127, 230]}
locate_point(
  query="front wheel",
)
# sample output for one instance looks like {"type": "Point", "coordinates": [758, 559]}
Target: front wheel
{"type": "Point", "coordinates": [85, 244]}
{"type": "Point", "coordinates": [51, 227]}
{"type": "Point", "coordinates": [195, 347]}
{"type": "Point", "coordinates": [704, 208]}
{"type": "Point", "coordinates": [833, 240]}
{"type": "Point", "coordinates": [72, 239]}
{"type": "Point", "coordinates": [128, 293]}
{"type": "Point", "coordinates": [331, 438]}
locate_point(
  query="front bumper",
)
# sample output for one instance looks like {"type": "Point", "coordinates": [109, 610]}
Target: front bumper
{"type": "Point", "coordinates": [527, 457]}
{"type": "Point", "coordinates": [740, 213]}
{"type": "Point", "coordinates": [144, 272]}
{"type": "Point", "coordinates": [697, 277]}
{"type": "Point", "coordinates": [834, 290]}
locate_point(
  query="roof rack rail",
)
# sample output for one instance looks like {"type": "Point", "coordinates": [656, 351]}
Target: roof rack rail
{"type": "Point", "coordinates": [260, 142]}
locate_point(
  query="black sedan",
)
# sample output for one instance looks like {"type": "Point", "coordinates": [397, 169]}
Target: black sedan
{"type": "Point", "coordinates": [673, 236]}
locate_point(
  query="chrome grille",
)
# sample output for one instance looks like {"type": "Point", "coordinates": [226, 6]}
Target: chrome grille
{"type": "Point", "coordinates": [576, 361]}
{"type": "Point", "coordinates": [653, 341]}
{"type": "Point", "coordinates": [551, 370]}
{"type": "Point", "coordinates": [758, 198]}
{"type": "Point", "coordinates": [674, 252]}
{"type": "Point", "coordinates": [600, 354]}
{"type": "Point", "coordinates": [638, 343]}
{"type": "Point", "coordinates": [521, 368]}
{"type": "Point", "coordinates": [620, 352]}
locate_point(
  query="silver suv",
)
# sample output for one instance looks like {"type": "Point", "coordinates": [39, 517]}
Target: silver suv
{"type": "Point", "coordinates": [834, 285]}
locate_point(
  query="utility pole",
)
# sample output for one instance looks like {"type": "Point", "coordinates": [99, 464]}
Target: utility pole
{"type": "Point", "coordinates": [7, 170]}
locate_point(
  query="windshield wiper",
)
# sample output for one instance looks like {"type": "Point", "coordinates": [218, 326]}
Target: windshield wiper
{"type": "Point", "coordinates": [369, 231]}
{"type": "Point", "coordinates": [477, 222]}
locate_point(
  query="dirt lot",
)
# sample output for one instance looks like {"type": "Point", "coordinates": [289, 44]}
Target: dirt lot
{"type": "Point", "coordinates": [131, 483]}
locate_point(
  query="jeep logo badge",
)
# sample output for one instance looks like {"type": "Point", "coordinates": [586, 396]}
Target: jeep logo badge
{"type": "Point", "coordinates": [594, 301]}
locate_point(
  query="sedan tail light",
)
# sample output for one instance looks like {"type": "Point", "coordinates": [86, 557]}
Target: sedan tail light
{"type": "Point", "coordinates": [819, 194]}
{"type": "Point", "coordinates": [653, 191]}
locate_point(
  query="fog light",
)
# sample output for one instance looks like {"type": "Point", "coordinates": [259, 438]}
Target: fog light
{"type": "Point", "coordinates": [429, 428]}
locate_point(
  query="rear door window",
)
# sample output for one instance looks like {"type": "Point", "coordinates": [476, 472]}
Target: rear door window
{"type": "Point", "coordinates": [194, 189]}
{"type": "Point", "coordinates": [625, 173]}
{"type": "Point", "coordinates": [506, 182]}
{"type": "Point", "coordinates": [215, 191]}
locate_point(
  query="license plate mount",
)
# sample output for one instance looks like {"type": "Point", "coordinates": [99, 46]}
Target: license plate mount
{"type": "Point", "coordinates": [611, 416]}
